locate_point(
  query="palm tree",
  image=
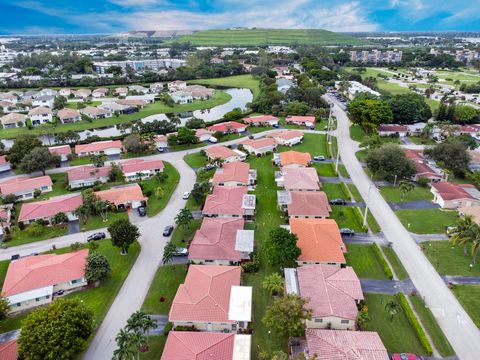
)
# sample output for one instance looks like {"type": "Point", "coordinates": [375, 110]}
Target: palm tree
{"type": "Point", "coordinates": [463, 233]}
{"type": "Point", "coordinates": [406, 187]}
{"type": "Point", "coordinates": [273, 283]}
{"type": "Point", "coordinates": [184, 218]}
{"type": "Point", "coordinates": [139, 321]}
{"type": "Point", "coordinates": [101, 207]}
{"type": "Point", "coordinates": [392, 309]}
{"type": "Point", "coordinates": [475, 231]}
{"type": "Point", "coordinates": [159, 192]}
{"type": "Point", "coordinates": [161, 177]}
{"type": "Point", "coordinates": [124, 350]}
{"type": "Point", "coordinates": [82, 213]}
{"type": "Point", "coordinates": [168, 252]}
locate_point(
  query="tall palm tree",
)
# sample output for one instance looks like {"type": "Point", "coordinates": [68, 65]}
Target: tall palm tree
{"type": "Point", "coordinates": [463, 233]}
{"type": "Point", "coordinates": [124, 350]}
{"type": "Point", "coordinates": [475, 230]}
{"type": "Point", "coordinates": [273, 283]}
{"type": "Point", "coordinates": [82, 213]}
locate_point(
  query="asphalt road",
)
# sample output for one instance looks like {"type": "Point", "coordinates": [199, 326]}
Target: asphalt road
{"type": "Point", "coordinates": [460, 330]}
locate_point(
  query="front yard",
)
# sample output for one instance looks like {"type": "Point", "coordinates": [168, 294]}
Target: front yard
{"type": "Point", "coordinates": [449, 259]}
{"type": "Point", "coordinates": [427, 221]}
{"type": "Point", "coordinates": [156, 204]}
{"type": "Point", "coordinates": [469, 297]}
{"type": "Point", "coordinates": [393, 194]}
{"type": "Point", "coordinates": [365, 262]}
{"type": "Point", "coordinates": [195, 160]}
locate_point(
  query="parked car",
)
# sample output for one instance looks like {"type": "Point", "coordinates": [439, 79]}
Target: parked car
{"type": "Point", "coordinates": [319, 158]}
{"type": "Point", "coordinates": [60, 293]}
{"type": "Point", "coordinates": [405, 356]}
{"type": "Point", "coordinates": [142, 211]}
{"type": "Point", "coordinates": [186, 195]}
{"type": "Point", "coordinates": [168, 230]}
{"type": "Point", "coordinates": [15, 257]}
{"type": "Point", "coordinates": [209, 167]}
{"type": "Point", "coordinates": [180, 251]}
{"type": "Point", "coordinates": [347, 232]}
{"type": "Point", "coordinates": [338, 201]}
{"type": "Point", "coordinates": [96, 236]}
{"type": "Point", "coordinates": [160, 149]}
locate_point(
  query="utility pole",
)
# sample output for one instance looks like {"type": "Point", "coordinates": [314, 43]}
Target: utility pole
{"type": "Point", "coordinates": [338, 159]}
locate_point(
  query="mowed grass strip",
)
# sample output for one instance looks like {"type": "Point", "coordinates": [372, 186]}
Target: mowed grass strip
{"type": "Point", "coordinates": [394, 194]}
{"type": "Point", "coordinates": [469, 297]}
{"type": "Point", "coordinates": [364, 261]}
{"type": "Point", "coordinates": [427, 221]}
{"type": "Point", "coordinates": [449, 259]}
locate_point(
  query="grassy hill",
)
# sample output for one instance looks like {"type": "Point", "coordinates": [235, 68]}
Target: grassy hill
{"type": "Point", "coordinates": [261, 37]}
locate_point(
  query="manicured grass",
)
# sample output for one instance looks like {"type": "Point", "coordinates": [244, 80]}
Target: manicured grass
{"type": "Point", "coordinates": [74, 105]}
{"type": "Point", "coordinates": [397, 335]}
{"type": "Point", "coordinates": [314, 144]}
{"type": "Point", "coordinates": [195, 160]}
{"type": "Point", "coordinates": [357, 133]}
{"type": "Point", "coordinates": [355, 193]}
{"type": "Point", "coordinates": [395, 263]}
{"type": "Point", "coordinates": [130, 155]}
{"type": "Point", "coordinates": [427, 221]}
{"type": "Point", "coordinates": [86, 160]}
{"type": "Point", "coordinates": [449, 259]}
{"type": "Point", "coordinates": [258, 129]}
{"type": "Point", "coordinates": [100, 298]}
{"type": "Point", "coordinates": [469, 297]}
{"type": "Point", "coordinates": [333, 190]}
{"type": "Point", "coordinates": [155, 204]}
{"type": "Point", "coordinates": [156, 343]}
{"type": "Point", "coordinates": [219, 98]}
{"type": "Point", "coordinates": [182, 236]}
{"type": "Point", "coordinates": [346, 218]}
{"type": "Point", "coordinates": [3, 270]}
{"type": "Point", "coordinates": [372, 223]}
{"type": "Point", "coordinates": [325, 169]}
{"type": "Point", "coordinates": [96, 222]}
{"type": "Point", "coordinates": [342, 170]}
{"type": "Point", "coordinates": [165, 283]}
{"type": "Point", "coordinates": [364, 261]}
{"type": "Point", "coordinates": [60, 183]}
{"type": "Point", "coordinates": [24, 237]}
{"type": "Point", "coordinates": [393, 194]}
{"type": "Point", "coordinates": [237, 81]}
{"type": "Point", "coordinates": [422, 141]}
{"type": "Point", "coordinates": [361, 155]}
{"type": "Point", "coordinates": [428, 320]}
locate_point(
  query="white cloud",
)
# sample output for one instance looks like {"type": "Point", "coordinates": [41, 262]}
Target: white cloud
{"type": "Point", "coordinates": [137, 3]}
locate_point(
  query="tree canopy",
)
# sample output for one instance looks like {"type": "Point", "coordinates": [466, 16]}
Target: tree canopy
{"type": "Point", "coordinates": [389, 161]}
{"type": "Point", "coordinates": [123, 234]}
{"type": "Point", "coordinates": [451, 155]}
{"type": "Point", "coordinates": [369, 113]}
{"type": "Point", "coordinates": [22, 146]}
{"type": "Point", "coordinates": [39, 159]}
{"type": "Point", "coordinates": [97, 267]}
{"type": "Point", "coordinates": [281, 247]}
{"type": "Point", "coordinates": [409, 108]}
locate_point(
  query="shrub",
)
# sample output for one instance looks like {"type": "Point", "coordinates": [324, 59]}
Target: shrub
{"type": "Point", "coordinates": [35, 229]}
{"type": "Point", "coordinates": [415, 323]}
{"type": "Point", "coordinates": [253, 265]}
{"type": "Point", "coordinates": [383, 262]}
{"type": "Point", "coordinates": [166, 329]}
{"type": "Point", "coordinates": [423, 181]}
{"type": "Point", "coordinates": [75, 246]}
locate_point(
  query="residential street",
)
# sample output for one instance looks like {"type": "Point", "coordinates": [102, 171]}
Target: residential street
{"type": "Point", "coordinates": [460, 330]}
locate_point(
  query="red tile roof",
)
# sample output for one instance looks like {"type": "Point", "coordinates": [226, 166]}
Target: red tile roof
{"type": "Point", "coordinates": [235, 171]}
{"type": "Point", "coordinates": [221, 152]}
{"type": "Point", "coordinates": [188, 345]}
{"type": "Point", "coordinates": [88, 172]}
{"type": "Point", "coordinates": [260, 119]}
{"type": "Point", "coordinates": [60, 150]}
{"type": "Point", "coordinates": [137, 165]}
{"type": "Point", "coordinates": [286, 134]}
{"type": "Point", "coordinates": [34, 272]}
{"type": "Point", "coordinates": [301, 179]}
{"type": "Point", "coordinates": [215, 240]}
{"type": "Point", "coordinates": [300, 119]}
{"type": "Point", "coordinates": [413, 154]}
{"type": "Point", "coordinates": [24, 183]}
{"type": "Point", "coordinates": [67, 114]}
{"type": "Point", "coordinates": [98, 146]}
{"type": "Point", "coordinates": [226, 126]}
{"type": "Point", "coordinates": [331, 291]}
{"type": "Point", "coordinates": [319, 240]}
{"type": "Point", "coordinates": [295, 158]}
{"type": "Point", "coordinates": [345, 345]}
{"type": "Point", "coordinates": [50, 207]}
{"type": "Point", "coordinates": [200, 132]}
{"type": "Point", "coordinates": [259, 143]}
{"type": "Point", "coordinates": [122, 194]}
{"type": "Point", "coordinates": [309, 203]}
{"type": "Point", "coordinates": [392, 128]}
{"type": "Point", "coordinates": [451, 191]}
{"type": "Point", "coordinates": [8, 350]}
{"type": "Point", "coordinates": [205, 294]}
{"type": "Point", "coordinates": [225, 200]}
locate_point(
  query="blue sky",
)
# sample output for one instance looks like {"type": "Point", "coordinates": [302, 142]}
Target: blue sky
{"type": "Point", "coordinates": [97, 16]}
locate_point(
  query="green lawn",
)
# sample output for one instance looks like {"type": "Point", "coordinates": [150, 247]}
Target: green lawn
{"type": "Point", "coordinates": [195, 160]}
{"type": "Point", "coordinates": [325, 169]}
{"type": "Point", "coordinates": [238, 81]}
{"type": "Point", "coordinates": [422, 141]}
{"type": "Point", "coordinates": [24, 236]}
{"type": "Point", "coordinates": [182, 236]}
{"type": "Point", "coordinates": [449, 259]}
{"type": "Point", "coordinates": [74, 105]}
{"type": "Point", "coordinates": [397, 335]}
{"type": "Point", "coordinates": [85, 160]}
{"type": "Point", "coordinates": [361, 155]}
{"type": "Point", "coordinates": [98, 299]}
{"type": "Point", "coordinates": [155, 204]}
{"type": "Point", "coordinates": [355, 193]}
{"type": "Point", "coordinates": [258, 129]}
{"type": "Point", "coordinates": [395, 262]}
{"type": "Point", "coordinates": [219, 98]}
{"type": "Point", "coordinates": [346, 218]}
{"type": "Point", "coordinates": [343, 171]}
{"type": "Point", "coordinates": [334, 190]}
{"type": "Point", "coordinates": [393, 194]}
{"type": "Point", "coordinates": [428, 320]}
{"type": "Point", "coordinates": [156, 343]}
{"type": "Point", "coordinates": [469, 297]}
{"type": "Point", "coordinates": [427, 221]}
{"type": "Point", "coordinates": [165, 283]}
{"type": "Point", "coordinates": [3, 270]}
{"type": "Point", "coordinates": [364, 261]}
{"type": "Point", "coordinates": [60, 183]}
{"type": "Point", "coordinates": [357, 133]}
{"type": "Point", "coordinates": [96, 222]}
{"type": "Point", "coordinates": [314, 144]}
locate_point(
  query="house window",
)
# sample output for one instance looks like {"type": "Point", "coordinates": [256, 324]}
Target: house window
{"type": "Point", "coordinates": [18, 304]}
{"type": "Point", "coordinates": [344, 321]}
{"type": "Point", "coordinates": [209, 261]}
{"type": "Point", "coordinates": [75, 281]}
{"type": "Point", "coordinates": [44, 187]}
{"type": "Point", "coordinates": [318, 320]}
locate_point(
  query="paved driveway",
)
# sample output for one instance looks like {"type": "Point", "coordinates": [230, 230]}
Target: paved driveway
{"type": "Point", "coordinates": [73, 227]}
{"type": "Point", "coordinates": [391, 287]}
{"type": "Point", "coordinates": [414, 205]}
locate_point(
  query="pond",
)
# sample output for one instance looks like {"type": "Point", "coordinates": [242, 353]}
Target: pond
{"type": "Point", "coordinates": [240, 98]}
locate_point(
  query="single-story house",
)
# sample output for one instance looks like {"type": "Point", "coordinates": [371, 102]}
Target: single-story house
{"type": "Point", "coordinates": [121, 91]}
{"type": "Point", "coordinates": [221, 241]}
{"type": "Point", "coordinates": [287, 137]}
{"type": "Point", "coordinates": [44, 100]}
{"type": "Point", "coordinates": [124, 196]}
{"type": "Point", "coordinates": [343, 344]}
{"type": "Point", "coordinates": [228, 127]}
{"type": "Point", "coordinates": [199, 92]}
{"type": "Point", "coordinates": [24, 187]}
{"type": "Point", "coordinates": [12, 120]}
{"type": "Point", "coordinates": [64, 151]}
{"type": "Point", "coordinates": [473, 211]}
{"type": "Point", "coordinates": [82, 93]}
{"type": "Point", "coordinates": [9, 97]}
{"type": "Point", "coordinates": [119, 108]}
{"type": "Point", "coordinates": [392, 129]}
{"type": "Point", "coordinates": [139, 169]}
{"type": "Point", "coordinates": [9, 350]}
{"type": "Point", "coordinates": [40, 115]}
{"type": "Point", "coordinates": [107, 147]}
{"type": "Point", "coordinates": [4, 164]}
{"type": "Point", "coordinates": [65, 92]}
{"type": "Point", "coordinates": [46, 209]}
{"type": "Point", "coordinates": [230, 202]}
{"type": "Point", "coordinates": [423, 168]}
{"type": "Point", "coordinates": [453, 196]}
{"type": "Point", "coordinates": [308, 121]}
{"type": "Point", "coordinates": [259, 147]}
{"type": "Point", "coordinates": [292, 159]}
{"type": "Point", "coordinates": [146, 99]}
{"type": "Point", "coordinates": [319, 240]}
{"type": "Point", "coordinates": [191, 345]}
{"type": "Point", "coordinates": [225, 154]}
{"type": "Point", "coordinates": [161, 141]}
{"type": "Point", "coordinates": [100, 92]}
{"type": "Point", "coordinates": [234, 174]}
{"type": "Point", "coordinates": [298, 179]}
{"type": "Point", "coordinates": [211, 299]}
{"type": "Point", "coordinates": [67, 116]}
{"type": "Point", "coordinates": [87, 175]}
{"type": "Point", "coordinates": [205, 135]}
{"type": "Point", "coordinates": [29, 95]}
{"type": "Point", "coordinates": [333, 294]}
{"type": "Point", "coordinates": [176, 85]}
{"type": "Point", "coordinates": [34, 280]}
{"type": "Point", "coordinates": [131, 102]}
{"type": "Point", "coordinates": [95, 113]}
{"type": "Point", "coordinates": [181, 97]}
{"type": "Point", "coordinates": [261, 120]}
{"type": "Point", "coordinates": [156, 88]}
{"type": "Point", "coordinates": [304, 204]}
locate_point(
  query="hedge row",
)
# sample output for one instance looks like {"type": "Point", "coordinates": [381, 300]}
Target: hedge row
{"type": "Point", "coordinates": [346, 191]}
{"type": "Point", "coordinates": [382, 260]}
{"type": "Point", "coordinates": [415, 324]}
{"type": "Point", "coordinates": [359, 216]}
